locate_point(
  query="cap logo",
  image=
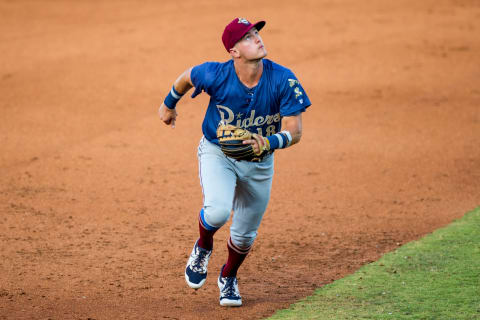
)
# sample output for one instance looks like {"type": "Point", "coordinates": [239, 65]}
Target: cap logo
{"type": "Point", "coordinates": [243, 20]}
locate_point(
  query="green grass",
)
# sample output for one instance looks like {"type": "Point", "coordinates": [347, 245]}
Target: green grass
{"type": "Point", "coordinates": [437, 277]}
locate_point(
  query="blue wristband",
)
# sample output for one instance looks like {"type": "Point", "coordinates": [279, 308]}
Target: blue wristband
{"type": "Point", "coordinates": [172, 98]}
{"type": "Point", "coordinates": [280, 140]}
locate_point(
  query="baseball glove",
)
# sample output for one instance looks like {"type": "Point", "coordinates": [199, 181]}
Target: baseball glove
{"type": "Point", "coordinates": [231, 140]}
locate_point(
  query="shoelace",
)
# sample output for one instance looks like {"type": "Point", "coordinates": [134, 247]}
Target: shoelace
{"type": "Point", "coordinates": [199, 261]}
{"type": "Point", "coordinates": [229, 288]}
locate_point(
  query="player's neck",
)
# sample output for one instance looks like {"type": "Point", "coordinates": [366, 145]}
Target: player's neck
{"type": "Point", "coordinates": [249, 72]}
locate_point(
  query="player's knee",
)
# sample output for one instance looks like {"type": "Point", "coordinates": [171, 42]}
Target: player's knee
{"type": "Point", "coordinates": [243, 240]}
{"type": "Point", "coordinates": [216, 216]}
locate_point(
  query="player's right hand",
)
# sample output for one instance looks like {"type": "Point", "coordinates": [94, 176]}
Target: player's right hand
{"type": "Point", "coordinates": [168, 116]}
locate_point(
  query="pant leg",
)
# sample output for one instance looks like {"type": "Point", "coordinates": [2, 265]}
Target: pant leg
{"type": "Point", "coordinates": [252, 194]}
{"type": "Point", "coordinates": [218, 181]}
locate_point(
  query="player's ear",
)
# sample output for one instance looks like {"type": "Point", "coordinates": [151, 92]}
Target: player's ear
{"type": "Point", "coordinates": [234, 52]}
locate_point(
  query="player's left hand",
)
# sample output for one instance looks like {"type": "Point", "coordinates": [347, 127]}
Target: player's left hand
{"type": "Point", "coordinates": [168, 116]}
{"type": "Point", "coordinates": [258, 143]}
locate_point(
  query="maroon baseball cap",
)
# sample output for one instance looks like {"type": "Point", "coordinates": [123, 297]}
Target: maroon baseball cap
{"type": "Point", "coordinates": [236, 29]}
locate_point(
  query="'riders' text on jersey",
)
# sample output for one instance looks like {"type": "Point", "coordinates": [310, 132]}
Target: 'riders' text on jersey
{"type": "Point", "coordinates": [258, 109]}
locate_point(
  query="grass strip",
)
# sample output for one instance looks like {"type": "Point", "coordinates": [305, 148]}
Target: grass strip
{"type": "Point", "coordinates": [436, 277]}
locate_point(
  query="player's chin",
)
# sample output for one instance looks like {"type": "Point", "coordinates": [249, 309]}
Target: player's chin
{"type": "Point", "coordinates": [262, 53]}
{"type": "Point", "coordinates": [256, 56]}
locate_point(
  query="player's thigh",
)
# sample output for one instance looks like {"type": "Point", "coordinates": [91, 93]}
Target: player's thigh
{"type": "Point", "coordinates": [218, 181]}
{"type": "Point", "coordinates": [251, 200]}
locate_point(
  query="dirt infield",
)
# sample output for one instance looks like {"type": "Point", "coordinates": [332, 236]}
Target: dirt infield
{"type": "Point", "coordinates": [99, 200]}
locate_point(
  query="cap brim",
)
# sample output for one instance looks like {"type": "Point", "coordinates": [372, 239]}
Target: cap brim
{"type": "Point", "coordinates": [259, 25]}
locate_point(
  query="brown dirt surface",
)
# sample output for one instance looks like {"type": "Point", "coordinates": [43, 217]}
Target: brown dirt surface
{"type": "Point", "coordinates": [99, 200]}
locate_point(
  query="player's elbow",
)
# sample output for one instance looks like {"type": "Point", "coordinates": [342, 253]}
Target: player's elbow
{"type": "Point", "coordinates": [293, 124]}
{"type": "Point", "coordinates": [296, 137]}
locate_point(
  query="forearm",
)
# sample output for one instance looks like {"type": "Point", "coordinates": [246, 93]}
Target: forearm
{"type": "Point", "coordinates": [291, 133]}
{"type": "Point", "coordinates": [295, 130]}
{"type": "Point", "coordinates": [179, 88]}
{"type": "Point", "coordinates": [183, 82]}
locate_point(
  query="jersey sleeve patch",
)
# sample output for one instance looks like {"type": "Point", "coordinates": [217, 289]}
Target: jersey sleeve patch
{"type": "Point", "coordinates": [294, 100]}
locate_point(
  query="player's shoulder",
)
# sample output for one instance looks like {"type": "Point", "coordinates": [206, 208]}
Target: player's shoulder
{"type": "Point", "coordinates": [214, 66]}
{"type": "Point", "coordinates": [211, 72]}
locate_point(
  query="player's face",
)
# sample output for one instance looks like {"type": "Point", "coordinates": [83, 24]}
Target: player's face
{"type": "Point", "coordinates": [251, 46]}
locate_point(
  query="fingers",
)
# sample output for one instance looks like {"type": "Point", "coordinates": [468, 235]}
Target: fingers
{"type": "Point", "coordinates": [169, 121]}
{"type": "Point", "coordinates": [251, 141]}
{"type": "Point", "coordinates": [257, 143]}
{"type": "Point", "coordinates": [263, 144]}
{"type": "Point", "coordinates": [260, 140]}
{"type": "Point", "coordinates": [168, 116]}
{"type": "Point", "coordinates": [172, 117]}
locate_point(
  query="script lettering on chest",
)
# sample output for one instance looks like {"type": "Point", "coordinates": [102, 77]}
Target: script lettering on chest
{"type": "Point", "coordinates": [227, 116]}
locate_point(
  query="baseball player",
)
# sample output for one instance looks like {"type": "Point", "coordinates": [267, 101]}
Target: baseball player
{"type": "Point", "coordinates": [255, 108]}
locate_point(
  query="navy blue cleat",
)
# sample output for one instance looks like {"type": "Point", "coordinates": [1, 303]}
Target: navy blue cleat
{"type": "Point", "coordinates": [196, 270]}
{"type": "Point", "coordinates": [229, 294]}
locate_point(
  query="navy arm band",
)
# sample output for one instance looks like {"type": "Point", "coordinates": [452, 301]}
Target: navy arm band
{"type": "Point", "coordinates": [172, 98]}
{"type": "Point", "coordinates": [280, 140]}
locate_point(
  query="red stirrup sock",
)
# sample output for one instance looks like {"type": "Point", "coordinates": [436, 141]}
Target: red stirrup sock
{"type": "Point", "coordinates": [206, 233]}
{"type": "Point", "coordinates": [236, 256]}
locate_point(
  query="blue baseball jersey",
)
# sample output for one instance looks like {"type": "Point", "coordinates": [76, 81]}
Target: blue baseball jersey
{"type": "Point", "coordinates": [258, 109]}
